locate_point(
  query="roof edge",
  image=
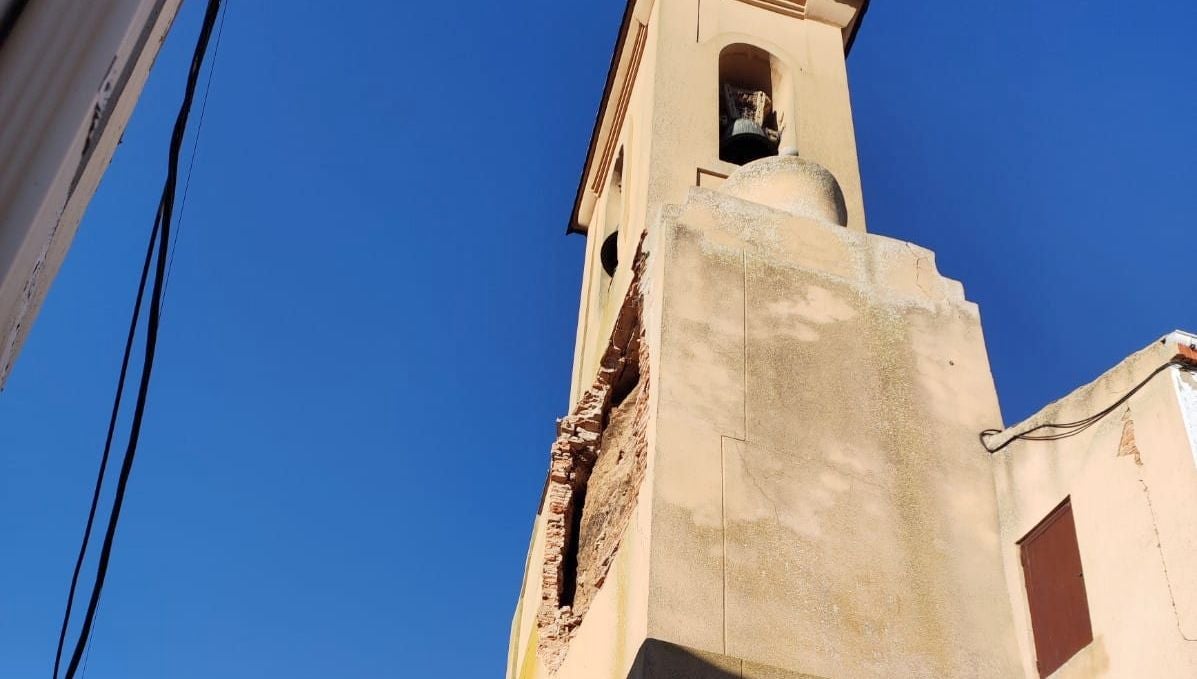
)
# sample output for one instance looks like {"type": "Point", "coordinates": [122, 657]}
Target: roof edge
{"type": "Point", "coordinates": [1177, 346]}
{"type": "Point", "coordinates": [602, 112]}
{"type": "Point", "coordinates": [860, 17]}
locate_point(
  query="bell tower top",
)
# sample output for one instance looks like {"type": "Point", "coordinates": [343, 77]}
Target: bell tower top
{"type": "Point", "coordinates": [698, 87]}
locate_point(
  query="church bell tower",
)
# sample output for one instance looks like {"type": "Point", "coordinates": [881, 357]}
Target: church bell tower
{"type": "Point", "coordinates": [766, 470]}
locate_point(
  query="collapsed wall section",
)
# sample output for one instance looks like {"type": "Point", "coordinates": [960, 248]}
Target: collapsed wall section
{"type": "Point", "coordinates": [597, 464]}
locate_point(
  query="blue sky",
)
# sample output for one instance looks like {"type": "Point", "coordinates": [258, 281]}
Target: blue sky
{"type": "Point", "coordinates": [370, 321]}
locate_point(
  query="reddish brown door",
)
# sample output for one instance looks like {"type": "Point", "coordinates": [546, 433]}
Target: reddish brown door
{"type": "Point", "coordinates": [1051, 564]}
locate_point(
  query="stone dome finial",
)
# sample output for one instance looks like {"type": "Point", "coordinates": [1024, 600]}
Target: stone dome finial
{"type": "Point", "coordinates": [790, 184]}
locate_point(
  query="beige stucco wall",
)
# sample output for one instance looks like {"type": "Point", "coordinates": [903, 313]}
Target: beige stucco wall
{"type": "Point", "coordinates": [1133, 504]}
{"type": "Point", "coordinates": [821, 504]}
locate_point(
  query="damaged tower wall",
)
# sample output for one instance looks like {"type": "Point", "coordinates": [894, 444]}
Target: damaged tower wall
{"type": "Point", "coordinates": [586, 582]}
{"type": "Point", "coordinates": [814, 501]}
{"type": "Point", "coordinates": [597, 464]}
{"type": "Point", "coordinates": [815, 496]}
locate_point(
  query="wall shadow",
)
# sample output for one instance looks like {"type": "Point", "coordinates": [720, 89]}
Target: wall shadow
{"type": "Point", "coordinates": [662, 660]}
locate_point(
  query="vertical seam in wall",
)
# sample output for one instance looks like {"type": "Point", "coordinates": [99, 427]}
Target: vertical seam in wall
{"type": "Point", "coordinates": [744, 336]}
{"type": "Point", "coordinates": [723, 522]}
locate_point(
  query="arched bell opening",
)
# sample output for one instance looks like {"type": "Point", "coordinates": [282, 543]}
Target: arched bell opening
{"type": "Point", "coordinates": [613, 218]}
{"type": "Point", "coordinates": [751, 81]}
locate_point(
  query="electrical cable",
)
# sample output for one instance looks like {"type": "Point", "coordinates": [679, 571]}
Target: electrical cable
{"type": "Point", "coordinates": [90, 641]}
{"type": "Point", "coordinates": [116, 406]}
{"type": "Point", "coordinates": [199, 130]}
{"type": "Point", "coordinates": [1069, 429]}
{"type": "Point", "coordinates": [161, 233]}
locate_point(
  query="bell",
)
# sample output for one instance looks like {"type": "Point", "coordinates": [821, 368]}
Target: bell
{"type": "Point", "coordinates": [745, 141]}
{"type": "Point", "coordinates": [744, 136]}
{"type": "Point", "coordinates": [609, 254]}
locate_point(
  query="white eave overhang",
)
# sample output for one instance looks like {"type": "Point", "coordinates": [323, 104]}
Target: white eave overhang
{"type": "Point", "coordinates": [70, 74]}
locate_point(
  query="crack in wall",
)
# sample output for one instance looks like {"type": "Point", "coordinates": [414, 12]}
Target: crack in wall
{"type": "Point", "coordinates": [760, 489]}
{"type": "Point", "coordinates": [1163, 561]}
{"type": "Point", "coordinates": [918, 270]}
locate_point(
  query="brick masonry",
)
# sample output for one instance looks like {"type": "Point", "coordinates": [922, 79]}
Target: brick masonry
{"type": "Point", "coordinates": [600, 455]}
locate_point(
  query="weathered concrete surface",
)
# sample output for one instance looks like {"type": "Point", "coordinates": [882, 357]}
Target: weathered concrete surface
{"type": "Point", "coordinates": [821, 504]}
{"type": "Point", "coordinates": [1132, 480]}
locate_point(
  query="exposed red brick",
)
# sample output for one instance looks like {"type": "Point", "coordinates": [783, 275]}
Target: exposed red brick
{"type": "Point", "coordinates": [1127, 445]}
{"type": "Point", "coordinates": [1187, 354]}
{"type": "Point", "coordinates": [600, 453]}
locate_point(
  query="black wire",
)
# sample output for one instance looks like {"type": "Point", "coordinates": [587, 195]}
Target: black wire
{"type": "Point", "coordinates": [90, 641]}
{"type": "Point", "coordinates": [1069, 429]}
{"type": "Point", "coordinates": [166, 211]}
{"type": "Point", "coordinates": [116, 406]}
{"type": "Point", "coordinates": [199, 130]}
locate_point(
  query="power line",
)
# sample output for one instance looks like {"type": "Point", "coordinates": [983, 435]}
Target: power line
{"type": "Point", "coordinates": [199, 130]}
{"type": "Point", "coordinates": [1065, 430]}
{"type": "Point", "coordinates": [159, 236]}
{"type": "Point", "coordinates": [116, 407]}
{"type": "Point", "coordinates": [91, 640]}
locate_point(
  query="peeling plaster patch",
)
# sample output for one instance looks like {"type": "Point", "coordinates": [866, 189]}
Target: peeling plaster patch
{"type": "Point", "coordinates": [822, 306]}
{"type": "Point", "coordinates": [800, 318]}
{"type": "Point", "coordinates": [804, 332]}
{"type": "Point", "coordinates": [1127, 445]}
{"type": "Point", "coordinates": [596, 468]}
{"type": "Point", "coordinates": [1186, 392]}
